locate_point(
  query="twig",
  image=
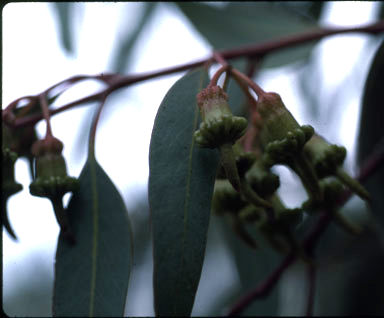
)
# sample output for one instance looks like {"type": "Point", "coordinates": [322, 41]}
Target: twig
{"type": "Point", "coordinates": [92, 133]}
{"type": "Point", "coordinates": [46, 115]}
{"type": "Point", "coordinates": [116, 81]}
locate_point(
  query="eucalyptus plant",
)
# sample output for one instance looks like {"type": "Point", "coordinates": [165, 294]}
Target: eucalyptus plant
{"type": "Point", "coordinates": [213, 152]}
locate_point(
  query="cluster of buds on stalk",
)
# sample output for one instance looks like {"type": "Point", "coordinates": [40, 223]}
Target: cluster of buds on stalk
{"type": "Point", "coordinates": [246, 187]}
{"type": "Point", "coordinates": [221, 129]}
{"type": "Point", "coordinates": [47, 165]}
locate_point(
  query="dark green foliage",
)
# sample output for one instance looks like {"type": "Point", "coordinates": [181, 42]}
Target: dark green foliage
{"type": "Point", "coordinates": [371, 136]}
{"type": "Point", "coordinates": [65, 11]}
{"type": "Point", "coordinates": [181, 181]}
{"type": "Point", "coordinates": [91, 278]}
{"type": "Point", "coordinates": [249, 23]}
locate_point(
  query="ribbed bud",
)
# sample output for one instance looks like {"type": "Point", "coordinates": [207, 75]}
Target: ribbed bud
{"type": "Point", "coordinates": [219, 126]}
{"type": "Point", "coordinates": [51, 171]}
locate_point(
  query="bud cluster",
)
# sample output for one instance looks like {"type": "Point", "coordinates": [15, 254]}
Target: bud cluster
{"type": "Point", "coordinates": [247, 191]}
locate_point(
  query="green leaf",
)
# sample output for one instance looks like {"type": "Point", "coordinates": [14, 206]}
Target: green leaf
{"type": "Point", "coordinates": [64, 11]}
{"type": "Point", "coordinates": [245, 23]}
{"type": "Point", "coordinates": [253, 266]}
{"type": "Point", "coordinates": [371, 136]}
{"type": "Point", "coordinates": [91, 277]}
{"type": "Point", "coordinates": [124, 51]}
{"type": "Point", "coordinates": [311, 10]}
{"type": "Point", "coordinates": [181, 180]}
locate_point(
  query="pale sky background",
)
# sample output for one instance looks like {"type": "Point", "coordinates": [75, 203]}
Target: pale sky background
{"type": "Point", "coordinates": [34, 60]}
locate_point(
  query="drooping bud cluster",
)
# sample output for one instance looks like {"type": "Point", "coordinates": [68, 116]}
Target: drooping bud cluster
{"type": "Point", "coordinates": [248, 194]}
{"type": "Point", "coordinates": [284, 140]}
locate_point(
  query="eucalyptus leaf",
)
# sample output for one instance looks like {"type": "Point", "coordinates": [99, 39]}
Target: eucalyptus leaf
{"type": "Point", "coordinates": [253, 266]}
{"type": "Point", "coordinates": [64, 11]}
{"type": "Point", "coordinates": [237, 100]}
{"type": "Point", "coordinates": [244, 23]}
{"type": "Point", "coordinates": [91, 277]}
{"type": "Point", "coordinates": [310, 10]}
{"type": "Point", "coordinates": [181, 180]}
{"type": "Point", "coordinates": [124, 50]}
{"type": "Point", "coordinates": [371, 135]}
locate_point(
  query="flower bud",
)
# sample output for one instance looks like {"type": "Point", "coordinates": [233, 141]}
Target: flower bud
{"type": "Point", "coordinates": [277, 119]}
{"type": "Point", "coordinates": [219, 126]}
{"type": "Point", "coordinates": [51, 171]}
{"type": "Point", "coordinates": [328, 160]}
{"type": "Point", "coordinates": [226, 198]}
{"type": "Point", "coordinates": [52, 180]}
{"type": "Point", "coordinates": [332, 191]}
{"type": "Point", "coordinates": [261, 179]}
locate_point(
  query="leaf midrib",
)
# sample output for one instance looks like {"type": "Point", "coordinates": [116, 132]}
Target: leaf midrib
{"type": "Point", "coordinates": [95, 208]}
{"type": "Point", "coordinates": [189, 176]}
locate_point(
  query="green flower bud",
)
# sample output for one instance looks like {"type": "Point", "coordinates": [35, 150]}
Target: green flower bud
{"type": "Point", "coordinates": [328, 160]}
{"type": "Point", "coordinates": [325, 157]}
{"type": "Point", "coordinates": [51, 171]}
{"type": "Point", "coordinates": [283, 140]}
{"type": "Point", "coordinates": [244, 161]}
{"type": "Point", "coordinates": [219, 126]}
{"type": "Point", "coordinates": [52, 180]}
{"type": "Point", "coordinates": [278, 120]}
{"type": "Point", "coordinates": [261, 179]}
{"type": "Point", "coordinates": [289, 217]}
{"type": "Point", "coordinates": [283, 150]}
{"type": "Point", "coordinates": [332, 191]}
{"type": "Point", "coordinates": [226, 198]}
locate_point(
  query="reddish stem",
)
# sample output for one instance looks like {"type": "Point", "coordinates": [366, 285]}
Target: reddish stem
{"type": "Point", "coordinates": [244, 79]}
{"type": "Point", "coordinates": [116, 81]}
{"type": "Point", "coordinates": [45, 111]}
{"type": "Point", "coordinates": [92, 134]}
{"type": "Point", "coordinates": [217, 75]}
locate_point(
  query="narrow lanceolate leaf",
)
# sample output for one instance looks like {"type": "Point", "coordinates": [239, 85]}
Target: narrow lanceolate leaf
{"type": "Point", "coordinates": [181, 180]}
{"type": "Point", "coordinates": [125, 48]}
{"type": "Point", "coordinates": [91, 277]}
{"type": "Point", "coordinates": [371, 136]}
{"type": "Point", "coordinates": [64, 11]}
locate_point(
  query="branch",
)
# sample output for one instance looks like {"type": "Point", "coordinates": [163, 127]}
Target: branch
{"type": "Point", "coordinates": [117, 81]}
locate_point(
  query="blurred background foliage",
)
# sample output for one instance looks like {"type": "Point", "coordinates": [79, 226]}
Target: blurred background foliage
{"type": "Point", "coordinates": [350, 269]}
